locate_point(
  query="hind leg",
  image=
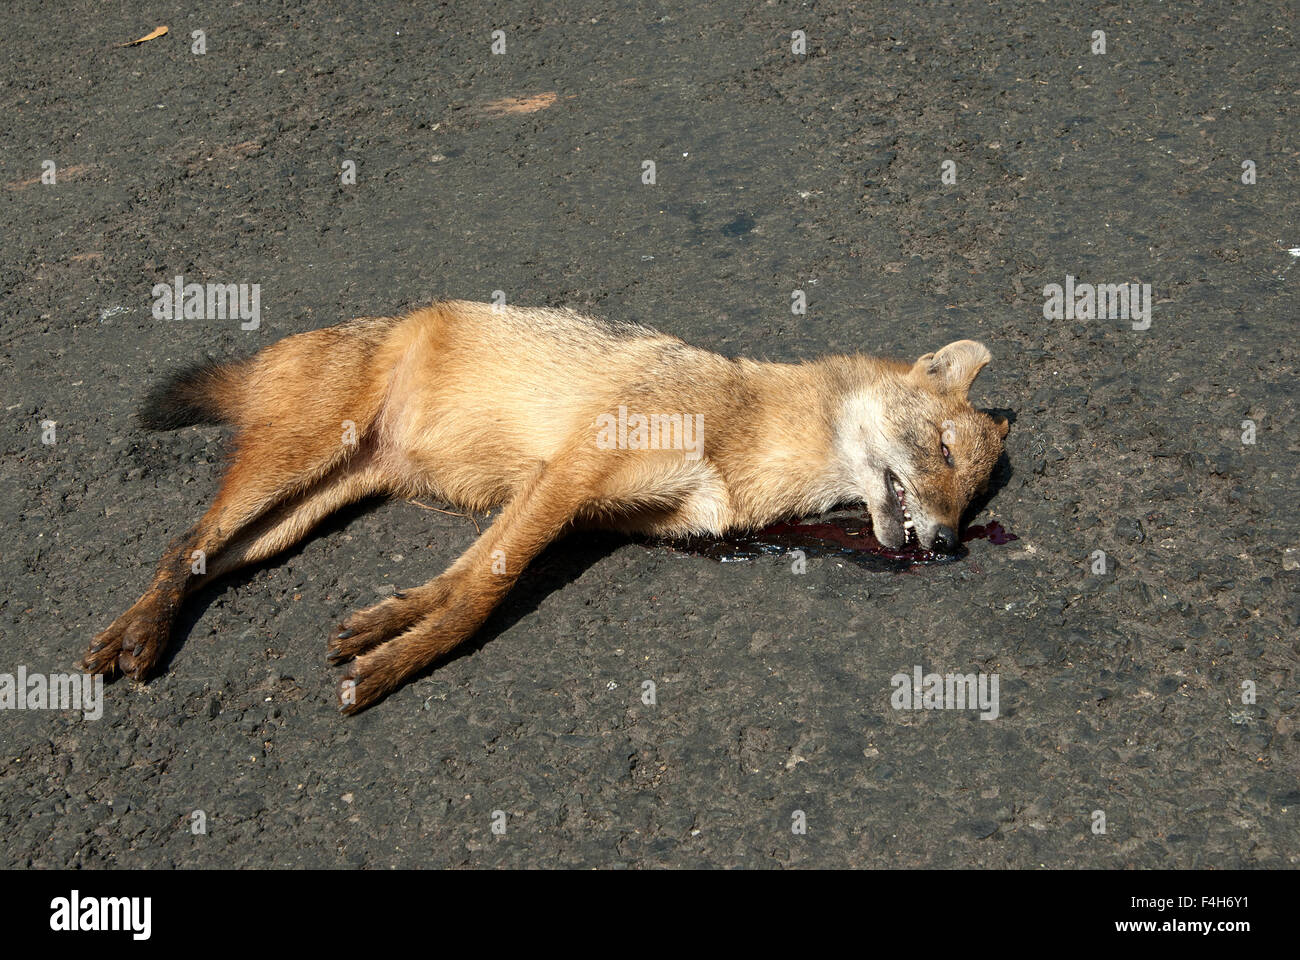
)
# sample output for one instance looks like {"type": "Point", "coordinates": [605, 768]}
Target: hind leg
{"type": "Point", "coordinates": [291, 520]}
{"type": "Point", "coordinates": [303, 409]}
{"type": "Point", "coordinates": [268, 500]}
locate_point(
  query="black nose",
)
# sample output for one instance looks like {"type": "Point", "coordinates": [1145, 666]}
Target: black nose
{"type": "Point", "coordinates": [945, 540]}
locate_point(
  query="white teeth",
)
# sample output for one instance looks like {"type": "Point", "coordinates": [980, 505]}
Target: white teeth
{"type": "Point", "coordinates": [908, 526]}
{"type": "Point", "coordinates": [902, 503]}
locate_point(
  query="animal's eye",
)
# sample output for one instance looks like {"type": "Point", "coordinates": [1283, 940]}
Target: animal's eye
{"type": "Point", "coordinates": [947, 436]}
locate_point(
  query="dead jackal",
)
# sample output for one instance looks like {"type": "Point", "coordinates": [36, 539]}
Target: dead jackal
{"type": "Point", "coordinates": [562, 421]}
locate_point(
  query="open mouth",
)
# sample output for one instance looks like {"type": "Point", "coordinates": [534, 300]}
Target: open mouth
{"type": "Point", "coordinates": [900, 501]}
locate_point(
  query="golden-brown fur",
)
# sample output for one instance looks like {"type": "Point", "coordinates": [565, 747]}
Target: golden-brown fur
{"type": "Point", "coordinates": [536, 411]}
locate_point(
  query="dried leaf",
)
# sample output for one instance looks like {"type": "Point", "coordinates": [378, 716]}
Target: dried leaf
{"type": "Point", "coordinates": [154, 35]}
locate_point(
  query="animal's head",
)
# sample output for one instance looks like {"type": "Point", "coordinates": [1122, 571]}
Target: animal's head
{"type": "Point", "coordinates": [917, 451]}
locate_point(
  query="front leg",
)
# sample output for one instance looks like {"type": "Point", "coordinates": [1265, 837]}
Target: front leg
{"type": "Point", "coordinates": [444, 612]}
{"type": "Point", "coordinates": [428, 622]}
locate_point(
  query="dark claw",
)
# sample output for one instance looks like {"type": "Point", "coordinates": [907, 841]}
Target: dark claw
{"type": "Point", "coordinates": [345, 634]}
{"type": "Point", "coordinates": [96, 647]}
{"type": "Point", "coordinates": [399, 595]}
{"type": "Point", "coordinates": [137, 650]}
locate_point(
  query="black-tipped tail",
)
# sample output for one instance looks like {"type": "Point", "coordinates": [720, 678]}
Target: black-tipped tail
{"type": "Point", "coordinates": [190, 396]}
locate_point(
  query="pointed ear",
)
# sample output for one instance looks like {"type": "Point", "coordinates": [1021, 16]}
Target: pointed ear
{"type": "Point", "coordinates": [953, 368]}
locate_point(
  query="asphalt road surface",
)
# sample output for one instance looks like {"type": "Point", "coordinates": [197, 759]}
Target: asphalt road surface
{"type": "Point", "coordinates": [1148, 714]}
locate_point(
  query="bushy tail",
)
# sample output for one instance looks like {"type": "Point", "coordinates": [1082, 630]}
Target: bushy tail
{"type": "Point", "coordinates": [196, 394]}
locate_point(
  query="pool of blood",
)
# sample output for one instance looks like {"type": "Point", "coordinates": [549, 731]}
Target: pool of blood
{"type": "Point", "coordinates": [843, 537]}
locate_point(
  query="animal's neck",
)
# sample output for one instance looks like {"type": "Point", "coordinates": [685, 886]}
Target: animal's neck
{"type": "Point", "coordinates": [783, 459]}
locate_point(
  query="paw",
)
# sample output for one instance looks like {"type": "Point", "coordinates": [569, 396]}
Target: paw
{"type": "Point", "coordinates": [133, 643]}
{"type": "Point", "coordinates": [366, 629]}
{"type": "Point", "coordinates": [372, 676]}
{"type": "Point", "coordinates": [368, 679]}
{"type": "Point", "coordinates": [394, 640]}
